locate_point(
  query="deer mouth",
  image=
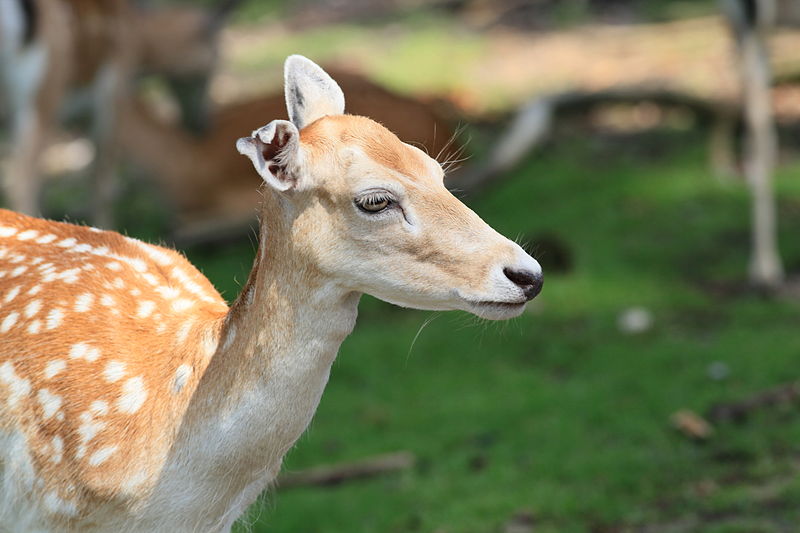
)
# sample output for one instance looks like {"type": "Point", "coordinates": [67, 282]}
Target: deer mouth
{"type": "Point", "coordinates": [496, 310]}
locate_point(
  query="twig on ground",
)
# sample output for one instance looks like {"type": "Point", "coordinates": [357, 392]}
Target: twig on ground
{"type": "Point", "coordinates": [328, 475]}
{"type": "Point", "coordinates": [738, 411]}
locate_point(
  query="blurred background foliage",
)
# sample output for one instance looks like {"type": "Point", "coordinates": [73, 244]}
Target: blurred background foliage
{"type": "Point", "coordinates": [573, 417]}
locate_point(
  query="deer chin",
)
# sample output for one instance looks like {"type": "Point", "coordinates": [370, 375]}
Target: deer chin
{"type": "Point", "coordinates": [492, 310]}
{"type": "Point", "coordinates": [484, 308]}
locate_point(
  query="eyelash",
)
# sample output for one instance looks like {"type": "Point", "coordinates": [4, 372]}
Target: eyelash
{"type": "Point", "coordinates": [374, 200]}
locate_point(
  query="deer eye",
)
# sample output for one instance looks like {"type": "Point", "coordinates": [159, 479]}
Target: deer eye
{"type": "Point", "coordinates": [374, 202]}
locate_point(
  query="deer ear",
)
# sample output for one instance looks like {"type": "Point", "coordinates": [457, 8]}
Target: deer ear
{"type": "Point", "coordinates": [310, 92]}
{"type": "Point", "coordinates": [274, 151]}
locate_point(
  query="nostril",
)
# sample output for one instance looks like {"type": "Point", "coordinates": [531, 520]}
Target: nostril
{"type": "Point", "coordinates": [520, 277]}
{"type": "Point", "coordinates": [530, 282]}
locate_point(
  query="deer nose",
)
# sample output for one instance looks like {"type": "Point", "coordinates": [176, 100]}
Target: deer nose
{"type": "Point", "coordinates": [530, 282]}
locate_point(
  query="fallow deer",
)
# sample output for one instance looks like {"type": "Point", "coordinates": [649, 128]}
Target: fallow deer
{"type": "Point", "coordinates": [62, 56]}
{"type": "Point", "coordinates": [132, 398]}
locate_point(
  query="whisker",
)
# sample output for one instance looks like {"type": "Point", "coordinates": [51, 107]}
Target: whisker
{"type": "Point", "coordinates": [423, 326]}
{"type": "Point", "coordinates": [459, 129]}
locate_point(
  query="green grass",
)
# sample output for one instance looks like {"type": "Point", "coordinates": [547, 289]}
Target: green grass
{"type": "Point", "coordinates": [557, 413]}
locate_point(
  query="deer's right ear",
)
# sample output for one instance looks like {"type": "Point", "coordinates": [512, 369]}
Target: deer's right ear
{"type": "Point", "coordinates": [274, 151]}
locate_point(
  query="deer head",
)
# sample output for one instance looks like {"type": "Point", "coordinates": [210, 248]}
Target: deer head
{"type": "Point", "coordinates": [372, 214]}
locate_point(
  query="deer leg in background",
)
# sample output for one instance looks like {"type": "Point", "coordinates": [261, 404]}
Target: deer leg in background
{"type": "Point", "coordinates": [104, 180]}
{"type": "Point", "coordinates": [766, 269]}
{"type": "Point", "coordinates": [751, 21]}
{"type": "Point", "coordinates": [23, 183]}
{"type": "Point", "coordinates": [34, 98]}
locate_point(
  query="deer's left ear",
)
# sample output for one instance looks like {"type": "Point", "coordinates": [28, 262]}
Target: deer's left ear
{"type": "Point", "coordinates": [274, 150]}
{"type": "Point", "coordinates": [310, 92]}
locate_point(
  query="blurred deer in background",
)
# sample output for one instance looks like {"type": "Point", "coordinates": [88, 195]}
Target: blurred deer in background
{"type": "Point", "coordinates": [60, 57]}
{"type": "Point", "coordinates": [213, 191]}
{"type": "Point", "coordinates": [133, 399]}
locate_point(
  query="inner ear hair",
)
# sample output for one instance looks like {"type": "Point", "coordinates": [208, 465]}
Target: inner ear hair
{"type": "Point", "coordinates": [273, 150]}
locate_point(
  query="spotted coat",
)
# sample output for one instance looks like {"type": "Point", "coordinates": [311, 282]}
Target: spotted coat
{"type": "Point", "coordinates": [95, 327]}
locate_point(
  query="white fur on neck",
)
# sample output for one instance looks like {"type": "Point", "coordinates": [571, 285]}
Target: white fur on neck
{"type": "Point", "coordinates": [261, 425]}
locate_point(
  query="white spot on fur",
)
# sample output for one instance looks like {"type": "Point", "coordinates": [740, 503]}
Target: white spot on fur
{"type": "Point", "coordinates": [17, 386]}
{"type": "Point", "coordinates": [81, 350]}
{"type": "Point", "coordinates": [88, 430]}
{"type": "Point", "coordinates": [190, 285]}
{"type": "Point", "coordinates": [181, 377]}
{"type": "Point", "coordinates": [84, 302]}
{"type": "Point", "coordinates": [46, 239]}
{"type": "Point", "coordinates": [8, 322]}
{"type": "Point", "coordinates": [137, 264]}
{"type": "Point", "coordinates": [183, 332]}
{"type": "Point", "coordinates": [54, 367]}
{"type": "Point", "coordinates": [18, 271]}
{"type": "Point", "coordinates": [181, 305]}
{"type": "Point", "coordinates": [6, 231]}
{"type": "Point", "coordinates": [70, 276]}
{"type": "Point", "coordinates": [58, 449]}
{"type": "Point", "coordinates": [34, 327]}
{"type": "Point", "coordinates": [114, 265]}
{"type": "Point", "coordinates": [67, 243]}
{"type": "Point", "coordinates": [99, 407]}
{"type": "Point", "coordinates": [134, 481]}
{"type": "Point", "coordinates": [101, 455]}
{"type": "Point", "coordinates": [146, 309]}
{"type": "Point", "coordinates": [114, 371]}
{"type": "Point", "coordinates": [151, 279]}
{"type": "Point", "coordinates": [32, 308]}
{"type": "Point", "coordinates": [133, 395]}
{"type": "Point", "coordinates": [159, 256]}
{"type": "Point", "coordinates": [50, 402]}
{"type": "Point", "coordinates": [27, 235]}
{"type": "Point", "coordinates": [10, 295]}
{"type": "Point", "coordinates": [35, 290]}
{"type": "Point", "coordinates": [168, 293]}
{"type": "Point", "coordinates": [107, 300]}
{"type": "Point", "coordinates": [57, 505]}
{"type": "Point", "coordinates": [54, 318]}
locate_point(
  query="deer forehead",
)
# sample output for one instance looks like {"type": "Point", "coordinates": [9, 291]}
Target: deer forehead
{"type": "Point", "coordinates": [378, 145]}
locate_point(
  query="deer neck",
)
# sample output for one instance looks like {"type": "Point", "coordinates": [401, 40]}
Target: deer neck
{"type": "Point", "coordinates": [274, 357]}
